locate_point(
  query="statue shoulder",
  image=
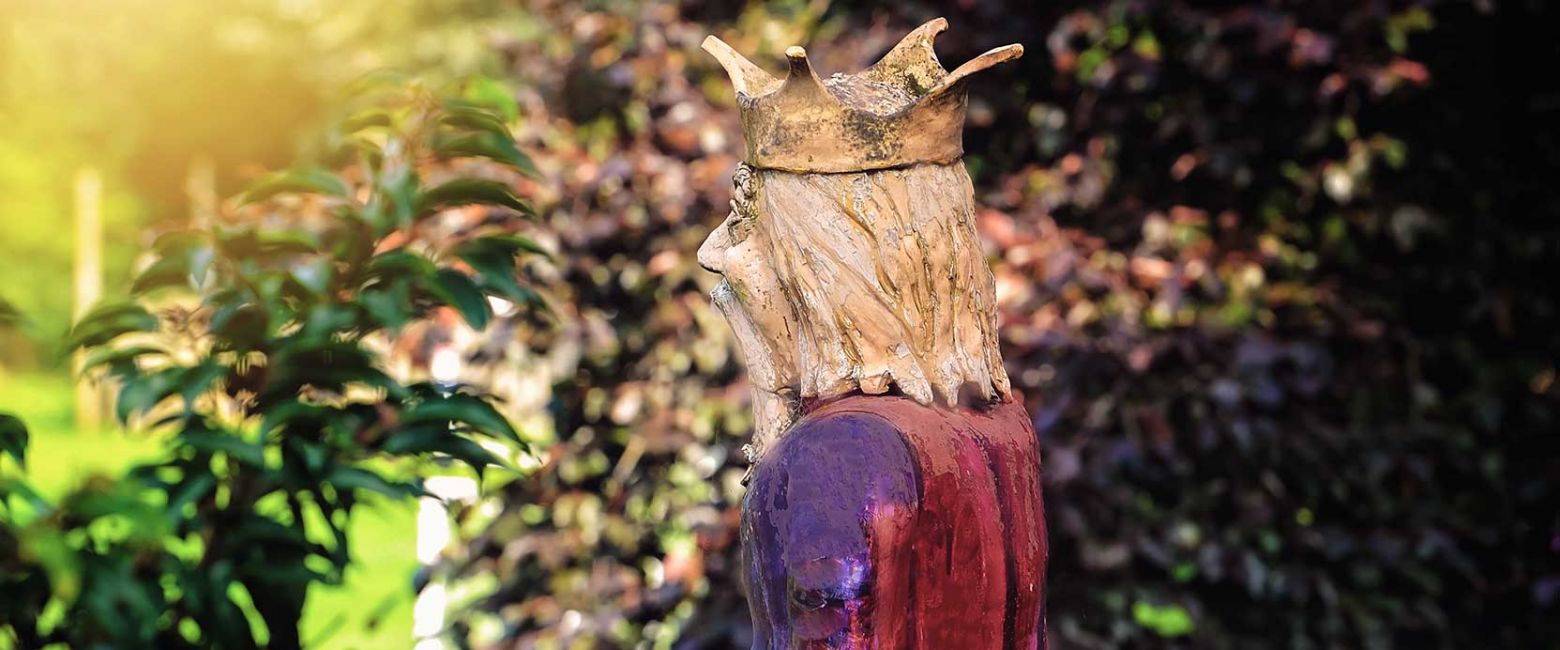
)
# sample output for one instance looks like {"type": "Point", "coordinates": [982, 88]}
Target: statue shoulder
{"type": "Point", "coordinates": [842, 433]}
{"type": "Point", "coordinates": [842, 453]}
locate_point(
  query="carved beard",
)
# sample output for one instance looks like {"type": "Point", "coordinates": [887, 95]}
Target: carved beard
{"type": "Point", "coordinates": [774, 406]}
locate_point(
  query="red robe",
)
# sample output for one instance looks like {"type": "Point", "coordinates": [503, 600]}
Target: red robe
{"type": "Point", "coordinates": [876, 522]}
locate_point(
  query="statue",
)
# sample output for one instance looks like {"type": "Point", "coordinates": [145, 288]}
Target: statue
{"type": "Point", "coordinates": [894, 499]}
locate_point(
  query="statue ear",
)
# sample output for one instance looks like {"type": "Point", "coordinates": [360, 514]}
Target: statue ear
{"type": "Point", "coordinates": [744, 190]}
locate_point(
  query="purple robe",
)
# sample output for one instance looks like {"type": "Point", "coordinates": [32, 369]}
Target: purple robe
{"type": "Point", "coordinates": [876, 522]}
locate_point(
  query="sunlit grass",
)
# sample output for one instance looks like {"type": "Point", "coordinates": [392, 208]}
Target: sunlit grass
{"type": "Point", "coordinates": [61, 457]}
{"type": "Point", "coordinates": [373, 610]}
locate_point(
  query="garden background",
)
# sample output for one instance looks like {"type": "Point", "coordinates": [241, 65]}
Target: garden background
{"type": "Point", "coordinates": [1287, 336]}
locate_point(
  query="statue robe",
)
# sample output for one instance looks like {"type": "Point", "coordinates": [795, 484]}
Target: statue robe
{"type": "Point", "coordinates": [876, 522]}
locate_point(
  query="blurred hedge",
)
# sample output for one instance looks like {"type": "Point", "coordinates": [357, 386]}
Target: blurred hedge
{"type": "Point", "coordinates": [1290, 357]}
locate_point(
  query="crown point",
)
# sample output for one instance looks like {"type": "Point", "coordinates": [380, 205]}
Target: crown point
{"type": "Point", "coordinates": [912, 64]}
{"type": "Point", "coordinates": [800, 78]}
{"type": "Point", "coordinates": [990, 58]}
{"type": "Point", "coordinates": [905, 110]}
{"type": "Point", "coordinates": [746, 78]}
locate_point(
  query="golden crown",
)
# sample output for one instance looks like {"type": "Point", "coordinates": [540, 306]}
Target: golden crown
{"type": "Point", "coordinates": [905, 109]}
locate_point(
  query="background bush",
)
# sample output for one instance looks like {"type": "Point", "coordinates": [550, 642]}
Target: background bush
{"type": "Point", "coordinates": [1291, 362]}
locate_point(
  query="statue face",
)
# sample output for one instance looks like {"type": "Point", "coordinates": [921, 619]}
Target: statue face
{"type": "Point", "coordinates": [750, 294]}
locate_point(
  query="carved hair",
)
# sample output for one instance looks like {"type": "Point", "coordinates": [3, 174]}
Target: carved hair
{"type": "Point", "coordinates": [887, 280]}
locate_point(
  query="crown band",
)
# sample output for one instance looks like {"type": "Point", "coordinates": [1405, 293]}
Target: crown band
{"type": "Point", "coordinates": [904, 110]}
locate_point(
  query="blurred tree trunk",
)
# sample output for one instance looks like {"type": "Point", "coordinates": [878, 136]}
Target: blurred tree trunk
{"type": "Point", "coordinates": [200, 187]}
{"type": "Point", "coordinates": [88, 286]}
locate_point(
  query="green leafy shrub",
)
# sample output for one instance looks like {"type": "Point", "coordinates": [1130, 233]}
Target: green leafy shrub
{"type": "Point", "coordinates": [250, 346]}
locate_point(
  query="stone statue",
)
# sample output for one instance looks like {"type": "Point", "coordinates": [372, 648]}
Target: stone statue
{"type": "Point", "coordinates": [894, 500]}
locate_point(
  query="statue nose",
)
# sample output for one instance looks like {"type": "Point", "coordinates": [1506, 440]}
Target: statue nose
{"type": "Point", "coordinates": [713, 252]}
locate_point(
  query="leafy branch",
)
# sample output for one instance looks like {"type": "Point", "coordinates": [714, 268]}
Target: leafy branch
{"type": "Point", "coordinates": [248, 344]}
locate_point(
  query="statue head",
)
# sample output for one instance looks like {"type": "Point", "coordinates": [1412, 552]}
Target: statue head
{"type": "Point", "coordinates": [850, 259]}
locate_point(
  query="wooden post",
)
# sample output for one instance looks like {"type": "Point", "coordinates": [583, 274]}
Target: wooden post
{"type": "Point", "coordinates": [200, 186]}
{"type": "Point", "coordinates": [88, 286]}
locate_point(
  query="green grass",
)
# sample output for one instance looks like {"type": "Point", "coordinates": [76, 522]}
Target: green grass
{"type": "Point", "coordinates": [372, 610]}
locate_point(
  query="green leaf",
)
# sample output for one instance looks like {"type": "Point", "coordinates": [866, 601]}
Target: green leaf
{"type": "Point", "coordinates": [1167, 621]}
{"type": "Point", "coordinates": [471, 453]}
{"type": "Point", "coordinates": [467, 409]}
{"type": "Point", "coordinates": [323, 363]}
{"type": "Point", "coordinates": [353, 478]}
{"type": "Point", "coordinates": [178, 242]}
{"type": "Point", "coordinates": [503, 244]}
{"type": "Point", "coordinates": [277, 538]}
{"type": "Point", "coordinates": [10, 316]}
{"type": "Point", "coordinates": [487, 91]}
{"type": "Point", "coordinates": [286, 412]}
{"type": "Point", "coordinates": [469, 191]}
{"type": "Point", "coordinates": [396, 198]}
{"type": "Point", "coordinates": [139, 394]}
{"type": "Point", "coordinates": [390, 307]}
{"type": "Point", "coordinates": [13, 438]}
{"type": "Point", "coordinates": [401, 263]}
{"type": "Point", "coordinates": [20, 488]}
{"type": "Point", "coordinates": [420, 438]}
{"type": "Point", "coordinates": [274, 244]}
{"type": "Point", "coordinates": [228, 626]}
{"type": "Point", "coordinates": [475, 118]}
{"type": "Point", "coordinates": [433, 438]}
{"type": "Point", "coordinates": [213, 442]}
{"type": "Point", "coordinates": [183, 260]}
{"type": "Point", "coordinates": [164, 273]}
{"type": "Point", "coordinates": [306, 180]}
{"type": "Point", "coordinates": [358, 147]}
{"type": "Point", "coordinates": [142, 392]}
{"type": "Point", "coordinates": [190, 490]}
{"type": "Point", "coordinates": [457, 290]}
{"type": "Point", "coordinates": [493, 258]}
{"type": "Point", "coordinates": [278, 589]}
{"type": "Point", "coordinates": [486, 145]}
{"type": "Point", "coordinates": [328, 320]}
{"type": "Point", "coordinates": [313, 274]}
{"type": "Point", "coordinates": [114, 602]}
{"type": "Point", "coordinates": [120, 361]}
{"type": "Point", "coordinates": [108, 322]}
{"type": "Point", "coordinates": [240, 326]}
{"type": "Point", "coordinates": [198, 379]}
{"type": "Point", "coordinates": [367, 118]}
{"type": "Point", "coordinates": [97, 499]}
{"type": "Point", "coordinates": [495, 274]}
{"type": "Point", "coordinates": [304, 459]}
{"type": "Point", "coordinates": [330, 503]}
{"type": "Point", "coordinates": [382, 81]}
